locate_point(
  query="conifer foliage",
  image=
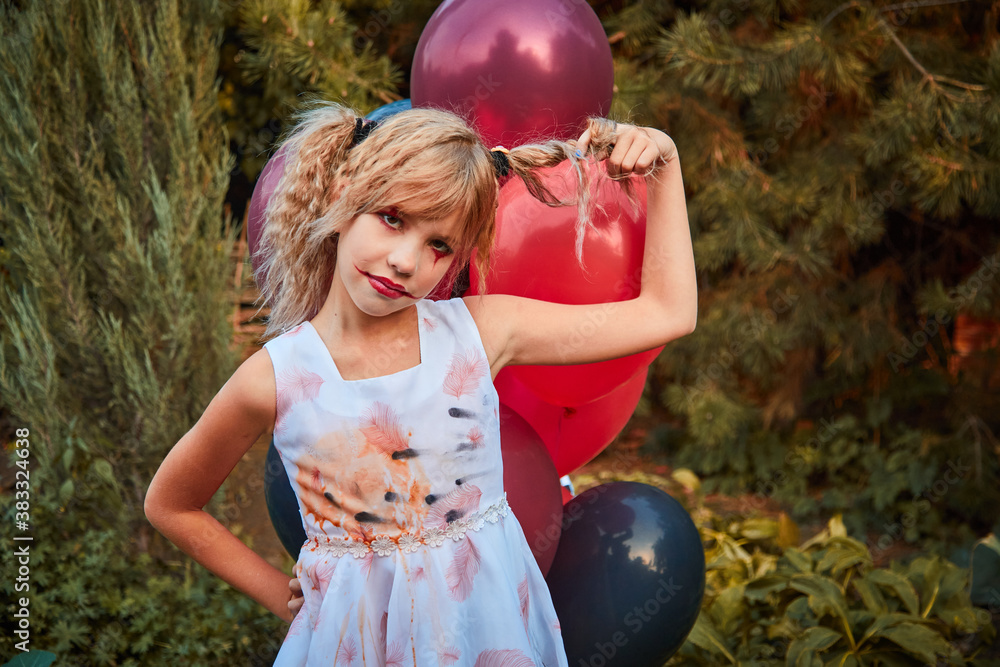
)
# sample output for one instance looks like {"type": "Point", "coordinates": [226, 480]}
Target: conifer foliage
{"type": "Point", "coordinates": [115, 248]}
{"type": "Point", "coordinates": [113, 170]}
{"type": "Point", "coordinates": [842, 164]}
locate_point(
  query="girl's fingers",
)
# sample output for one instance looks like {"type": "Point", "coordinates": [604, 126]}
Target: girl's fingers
{"type": "Point", "coordinates": [623, 142]}
{"type": "Point", "coordinates": [632, 157]}
{"type": "Point", "coordinates": [648, 159]}
{"type": "Point", "coordinates": [295, 603]}
{"type": "Point", "coordinates": [583, 143]}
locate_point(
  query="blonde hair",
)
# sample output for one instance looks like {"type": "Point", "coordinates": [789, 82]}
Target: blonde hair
{"type": "Point", "coordinates": [425, 162]}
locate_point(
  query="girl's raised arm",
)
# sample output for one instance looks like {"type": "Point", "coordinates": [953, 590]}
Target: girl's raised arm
{"type": "Point", "coordinates": [193, 470]}
{"type": "Point", "coordinates": [517, 330]}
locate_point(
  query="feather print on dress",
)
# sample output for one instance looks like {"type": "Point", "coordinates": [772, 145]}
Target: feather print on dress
{"type": "Point", "coordinates": [381, 428]}
{"type": "Point", "coordinates": [395, 656]}
{"type": "Point", "coordinates": [448, 655]}
{"type": "Point", "coordinates": [294, 385]}
{"type": "Point", "coordinates": [366, 563]}
{"type": "Point", "coordinates": [461, 502]}
{"type": "Point", "coordinates": [464, 373]}
{"type": "Point", "coordinates": [298, 622]}
{"type": "Point", "coordinates": [475, 437]}
{"type": "Point", "coordinates": [346, 652]}
{"type": "Point", "coordinates": [463, 570]}
{"type": "Point", "coordinates": [504, 658]}
{"type": "Point", "coordinates": [522, 592]}
{"type": "Point", "coordinates": [324, 574]}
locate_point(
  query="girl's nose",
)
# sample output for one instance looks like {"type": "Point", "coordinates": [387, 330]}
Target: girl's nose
{"type": "Point", "coordinates": [403, 259]}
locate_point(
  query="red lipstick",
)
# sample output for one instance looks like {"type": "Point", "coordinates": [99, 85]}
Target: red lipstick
{"type": "Point", "coordinates": [386, 287]}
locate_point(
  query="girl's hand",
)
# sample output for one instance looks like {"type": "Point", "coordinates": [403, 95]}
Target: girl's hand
{"type": "Point", "coordinates": [635, 150]}
{"type": "Point", "coordinates": [295, 603]}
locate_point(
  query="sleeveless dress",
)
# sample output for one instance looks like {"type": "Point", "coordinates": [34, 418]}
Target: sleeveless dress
{"type": "Point", "coordinates": [413, 557]}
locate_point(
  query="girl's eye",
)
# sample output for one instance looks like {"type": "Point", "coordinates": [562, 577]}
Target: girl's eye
{"type": "Point", "coordinates": [390, 218]}
{"type": "Point", "coordinates": [441, 248]}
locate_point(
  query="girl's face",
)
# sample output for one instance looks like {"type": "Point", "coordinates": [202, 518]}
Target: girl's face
{"type": "Point", "coordinates": [388, 260]}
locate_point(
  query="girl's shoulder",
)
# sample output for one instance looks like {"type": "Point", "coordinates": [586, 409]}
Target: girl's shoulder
{"type": "Point", "coordinates": [454, 313]}
{"type": "Point", "coordinates": [251, 392]}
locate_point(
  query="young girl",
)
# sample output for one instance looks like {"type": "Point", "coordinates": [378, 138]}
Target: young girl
{"type": "Point", "coordinates": [381, 403]}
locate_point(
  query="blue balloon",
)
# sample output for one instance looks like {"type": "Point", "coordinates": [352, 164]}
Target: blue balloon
{"type": "Point", "coordinates": [390, 109]}
{"type": "Point", "coordinates": [628, 577]}
{"type": "Point", "coordinates": [282, 505]}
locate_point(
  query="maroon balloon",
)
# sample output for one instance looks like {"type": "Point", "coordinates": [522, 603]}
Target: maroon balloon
{"type": "Point", "coordinates": [267, 182]}
{"type": "Point", "coordinates": [532, 486]}
{"type": "Point", "coordinates": [573, 436]}
{"type": "Point", "coordinates": [518, 70]}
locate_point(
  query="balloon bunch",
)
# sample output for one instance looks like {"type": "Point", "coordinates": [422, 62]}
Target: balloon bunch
{"type": "Point", "coordinates": [521, 71]}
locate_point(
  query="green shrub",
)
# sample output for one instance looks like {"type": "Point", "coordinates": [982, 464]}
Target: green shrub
{"type": "Point", "coordinates": [823, 603]}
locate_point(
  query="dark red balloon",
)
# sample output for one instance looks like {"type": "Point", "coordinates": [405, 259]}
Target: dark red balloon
{"type": "Point", "coordinates": [267, 182]}
{"type": "Point", "coordinates": [518, 70]}
{"type": "Point", "coordinates": [535, 256]}
{"type": "Point", "coordinates": [573, 436]}
{"type": "Point", "coordinates": [532, 486]}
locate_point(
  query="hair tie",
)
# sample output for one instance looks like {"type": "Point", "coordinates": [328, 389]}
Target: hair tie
{"type": "Point", "coordinates": [500, 161]}
{"type": "Point", "coordinates": [362, 128]}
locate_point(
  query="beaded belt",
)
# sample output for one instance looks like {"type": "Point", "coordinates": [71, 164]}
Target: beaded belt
{"type": "Point", "coordinates": [383, 545]}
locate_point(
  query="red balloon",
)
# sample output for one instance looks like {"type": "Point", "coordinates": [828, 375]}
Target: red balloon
{"type": "Point", "coordinates": [267, 182]}
{"type": "Point", "coordinates": [532, 486]}
{"type": "Point", "coordinates": [573, 436]}
{"type": "Point", "coordinates": [535, 256]}
{"type": "Point", "coordinates": [518, 70]}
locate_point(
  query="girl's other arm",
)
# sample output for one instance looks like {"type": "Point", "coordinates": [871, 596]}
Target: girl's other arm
{"type": "Point", "coordinates": [516, 330]}
{"type": "Point", "coordinates": [195, 468]}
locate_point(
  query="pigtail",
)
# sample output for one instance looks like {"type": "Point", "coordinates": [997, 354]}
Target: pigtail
{"type": "Point", "coordinates": [298, 247]}
{"type": "Point", "coordinates": [525, 160]}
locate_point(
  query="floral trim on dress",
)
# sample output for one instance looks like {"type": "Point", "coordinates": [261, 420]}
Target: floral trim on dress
{"type": "Point", "coordinates": [384, 545]}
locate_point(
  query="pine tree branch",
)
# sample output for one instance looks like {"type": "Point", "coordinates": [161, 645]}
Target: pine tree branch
{"type": "Point", "coordinates": [916, 5]}
{"type": "Point", "coordinates": [906, 51]}
{"type": "Point", "coordinates": [888, 8]}
{"type": "Point", "coordinates": [842, 8]}
{"type": "Point", "coordinates": [932, 78]}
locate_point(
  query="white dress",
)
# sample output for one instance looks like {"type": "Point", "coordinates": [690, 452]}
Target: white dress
{"type": "Point", "coordinates": [412, 557]}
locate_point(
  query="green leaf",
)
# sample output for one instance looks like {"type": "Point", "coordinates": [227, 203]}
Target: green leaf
{"type": "Point", "coordinates": [686, 478]}
{"type": "Point", "coordinates": [727, 609]}
{"type": "Point", "coordinates": [898, 584]}
{"type": "Point", "coordinates": [814, 639]}
{"type": "Point", "coordinates": [31, 659]}
{"type": "Point", "coordinates": [985, 587]}
{"type": "Point", "coordinates": [761, 588]}
{"type": "Point", "coordinates": [825, 596]}
{"type": "Point", "coordinates": [917, 640]}
{"type": "Point", "coordinates": [798, 560]}
{"type": "Point", "coordinates": [104, 470]}
{"type": "Point", "coordinates": [886, 621]}
{"type": "Point", "coordinates": [836, 561]}
{"type": "Point", "coordinates": [704, 636]}
{"type": "Point", "coordinates": [759, 529]}
{"type": "Point", "coordinates": [836, 526]}
{"type": "Point", "coordinates": [842, 659]}
{"type": "Point", "coordinates": [870, 595]}
{"type": "Point", "coordinates": [66, 491]}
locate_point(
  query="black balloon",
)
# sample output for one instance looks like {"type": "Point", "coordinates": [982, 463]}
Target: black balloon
{"type": "Point", "coordinates": [282, 505]}
{"type": "Point", "coordinates": [628, 577]}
